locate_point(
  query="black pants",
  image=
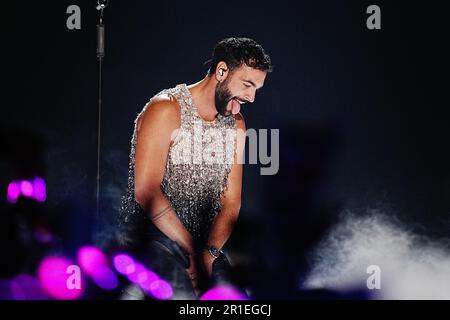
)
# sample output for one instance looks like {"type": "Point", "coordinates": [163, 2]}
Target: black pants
{"type": "Point", "coordinates": [170, 261]}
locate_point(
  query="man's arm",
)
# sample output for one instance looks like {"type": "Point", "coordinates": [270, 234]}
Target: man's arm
{"type": "Point", "coordinates": [231, 200]}
{"type": "Point", "coordinates": [156, 127]}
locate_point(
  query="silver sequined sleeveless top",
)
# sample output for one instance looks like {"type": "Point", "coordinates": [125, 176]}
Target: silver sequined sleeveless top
{"type": "Point", "coordinates": [196, 173]}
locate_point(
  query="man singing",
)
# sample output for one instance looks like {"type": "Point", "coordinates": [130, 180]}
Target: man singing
{"type": "Point", "coordinates": [185, 179]}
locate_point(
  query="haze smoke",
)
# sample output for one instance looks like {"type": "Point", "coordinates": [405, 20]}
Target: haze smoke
{"type": "Point", "coordinates": [412, 266]}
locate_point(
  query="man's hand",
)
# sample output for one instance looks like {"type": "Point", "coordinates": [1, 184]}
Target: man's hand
{"type": "Point", "coordinates": [193, 273]}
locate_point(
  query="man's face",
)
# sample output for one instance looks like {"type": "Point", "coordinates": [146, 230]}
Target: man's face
{"type": "Point", "coordinates": [238, 88]}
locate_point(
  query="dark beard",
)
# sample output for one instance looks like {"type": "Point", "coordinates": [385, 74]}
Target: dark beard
{"type": "Point", "coordinates": [222, 98]}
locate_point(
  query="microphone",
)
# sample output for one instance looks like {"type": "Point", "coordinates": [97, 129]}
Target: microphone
{"type": "Point", "coordinates": [101, 5]}
{"type": "Point", "coordinates": [100, 41]}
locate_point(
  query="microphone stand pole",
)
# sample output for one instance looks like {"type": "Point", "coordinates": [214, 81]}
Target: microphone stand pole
{"type": "Point", "coordinates": [100, 56]}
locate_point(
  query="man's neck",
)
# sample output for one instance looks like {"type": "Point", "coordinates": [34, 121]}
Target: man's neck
{"type": "Point", "coordinates": [203, 94]}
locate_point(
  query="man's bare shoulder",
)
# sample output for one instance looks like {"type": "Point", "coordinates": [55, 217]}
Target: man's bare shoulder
{"type": "Point", "coordinates": [164, 103]}
{"type": "Point", "coordinates": [162, 109]}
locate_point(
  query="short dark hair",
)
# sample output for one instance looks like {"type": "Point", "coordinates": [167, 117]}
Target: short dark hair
{"type": "Point", "coordinates": [237, 51]}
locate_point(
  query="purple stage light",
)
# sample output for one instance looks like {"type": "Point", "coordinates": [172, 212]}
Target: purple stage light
{"type": "Point", "coordinates": [147, 279]}
{"type": "Point", "coordinates": [39, 190]}
{"type": "Point", "coordinates": [26, 188]}
{"type": "Point", "coordinates": [105, 278]}
{"type": "Point", "coordinates": [13, 192]}
{"type": "Point", "coordinates": [35, 190]}
{"type": "Point", "coordinates": [5, 290]}
{"type": "Point", "coordinates": [223, 293]}
{"type": "Point", "coordinates": [26, 287]}
{"type": "Point", "coordinates": [161, 290]}
{"type": "Point", "coordinates": [95, 263]}
{"type": "Point", "coordinates": [54, 276]}
{"type": "Point", "coordinates": [124, 264]}
{"type": "Point", "coordinates": [91, 259]}
{"type": "Point", "coordinates": [139, 275]}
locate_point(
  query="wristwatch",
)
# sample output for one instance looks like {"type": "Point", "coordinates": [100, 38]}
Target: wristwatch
{"type": "Point", "coordinates": [214, 251]}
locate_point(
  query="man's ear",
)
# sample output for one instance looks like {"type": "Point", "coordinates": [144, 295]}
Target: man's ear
{"type": "Point", "coordinates": [221, 71]}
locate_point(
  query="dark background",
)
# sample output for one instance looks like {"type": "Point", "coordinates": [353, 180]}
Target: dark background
{"type": "Point", "coordinates": [363, 115]}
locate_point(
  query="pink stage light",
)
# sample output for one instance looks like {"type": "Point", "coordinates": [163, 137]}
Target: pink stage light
{"type": "Point", "coordinates": [95, 263]}
{"type": "Point", "coordinates": [223, 293]}
{"type": "Point", "coordinates": [139, 275]}
{"type": "Point", "coordinates": [124, 264]}
{"type": "Point", "coordinates": [90, 259]}
{"type": "Point", "coordinates": [26, 188]}
{"type": "Point", "coordinates": [13, 192]}
{"type": "Point", "coordinates": [53, 276]}
{"type": "Point", "coordinates": [147, 279]}
{"type": "Point", "coordinates": [35, 190]}
{"type": "Point", "coordinates": [161, 290]}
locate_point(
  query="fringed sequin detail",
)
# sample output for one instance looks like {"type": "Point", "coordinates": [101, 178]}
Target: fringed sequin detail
{"type": "Point", "coordinates": [199, 162]}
